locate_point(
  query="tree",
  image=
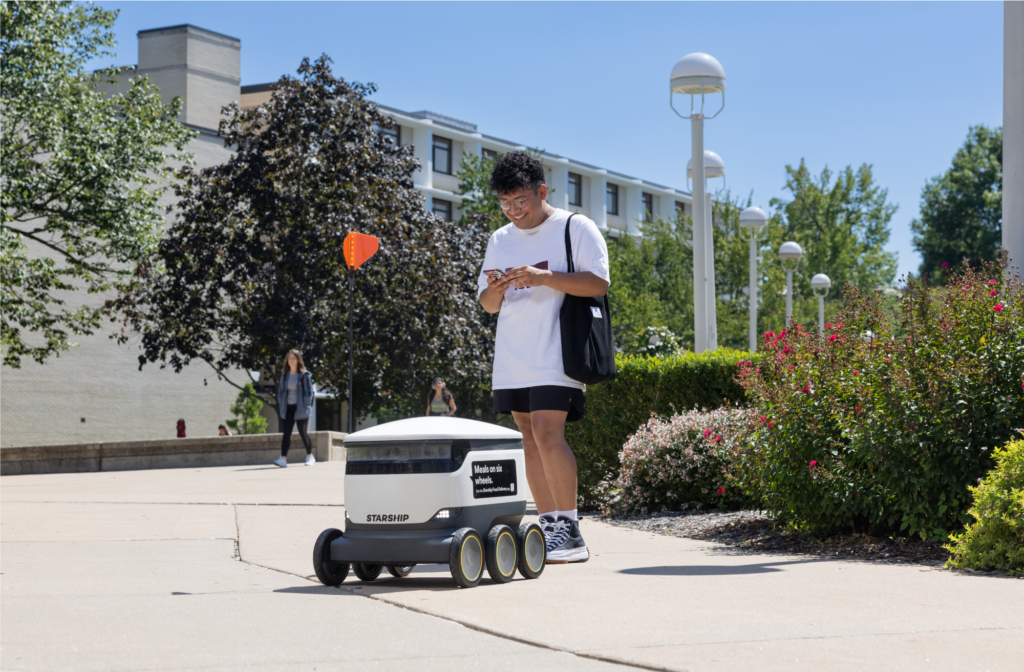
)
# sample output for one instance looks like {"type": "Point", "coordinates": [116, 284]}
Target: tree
{"type": "Point", "coordinates": [246, 410]}
{"type": "Point", "coordinates": [962, 209]}
{"type": "Point", "coordinates": [253, 264]}
{"type": "Point", "coordinates": [83, 169]}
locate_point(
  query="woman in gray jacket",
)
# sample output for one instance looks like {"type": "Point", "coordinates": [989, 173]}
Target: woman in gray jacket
{"type": "Point", "coordinates": [295, 398]}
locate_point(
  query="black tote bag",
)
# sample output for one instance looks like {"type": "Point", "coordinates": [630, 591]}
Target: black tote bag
{"type": "Point", "coordinates": [588, 352]}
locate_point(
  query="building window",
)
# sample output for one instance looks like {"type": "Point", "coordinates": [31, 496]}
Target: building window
{"type": "Point", "coordinates": [443, 209]}
{"type": "Point", "coordinates": [395, 134]}
{"type": "Point", "coordinates": [680, 209]}
{"type": "Point", "coordinates": [648, 206]}
{"type": "Point", "coordinates": [611, 199]}
{"type": "Point", "coordinates": [490, 154]}
{"type": "Point", "coordinates": [442, 155]}
{"type": "Point", "coordinates": [575, 189]}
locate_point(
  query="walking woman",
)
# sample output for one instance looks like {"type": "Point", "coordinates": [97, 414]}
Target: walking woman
{"type": "Point", "coordinates": [295, 397]}
{"type": "Point", "coordinates": [440, 401]}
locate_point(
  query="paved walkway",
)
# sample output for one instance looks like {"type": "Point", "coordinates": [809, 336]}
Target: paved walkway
{"type": "Point", "coordinates": [210, 569]}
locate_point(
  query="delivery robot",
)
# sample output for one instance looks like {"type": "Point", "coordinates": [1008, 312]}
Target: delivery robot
{"type": "Point", "coordinates": [433, 490]}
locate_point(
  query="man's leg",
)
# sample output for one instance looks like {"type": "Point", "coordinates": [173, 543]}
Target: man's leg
{"type": "Point", "coordinates": [548, 434]}
{"type": "Point", "coordinates": [534, 465]}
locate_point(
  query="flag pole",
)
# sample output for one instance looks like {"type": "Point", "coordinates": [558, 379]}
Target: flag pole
{"type": "Point", "coordinates": [351, 359]}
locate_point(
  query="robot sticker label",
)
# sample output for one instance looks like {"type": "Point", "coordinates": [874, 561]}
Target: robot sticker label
{"type": "Point", "coordinates": [495, 478]}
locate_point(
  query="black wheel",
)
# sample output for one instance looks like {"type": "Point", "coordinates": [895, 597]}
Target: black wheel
{"type": "Point", "coordinates": [400, 571]}
{"type": "Point", "coordinates": [329, 573]}
{"type": "Point", "coordinates": [532, 552]}
{"type": "Point", "coordinates": [501, 554]}
{"type": "Point", "coordinates": [366, 571]}
{"type": "Point", "coordinates": [466, 557]}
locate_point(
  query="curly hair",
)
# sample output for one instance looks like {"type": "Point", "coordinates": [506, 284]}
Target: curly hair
{"type": "Point", "coordinates": [514, 171]}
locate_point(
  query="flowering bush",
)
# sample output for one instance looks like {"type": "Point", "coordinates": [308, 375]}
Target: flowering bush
{"type": "Point", "coordinates": [996, 538]}
{"type": "Point", "coordinates": [881, 425]}
{"type": "Point", "coordinates": [681, 462]}
{"type": "Point", "coordinates": [653, 342]}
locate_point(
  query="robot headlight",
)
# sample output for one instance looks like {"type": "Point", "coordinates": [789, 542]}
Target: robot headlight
{"type": "Point", "coordinates": [400, 452]}
{"type": "Point", "coordinates": [446, 514]}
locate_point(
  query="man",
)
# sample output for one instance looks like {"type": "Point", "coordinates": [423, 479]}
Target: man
{"type": "Point", "coordinates": [527, 291]}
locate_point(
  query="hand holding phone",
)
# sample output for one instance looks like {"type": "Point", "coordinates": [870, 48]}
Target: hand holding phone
{"type": "Point", "coordinates": [494, 273]}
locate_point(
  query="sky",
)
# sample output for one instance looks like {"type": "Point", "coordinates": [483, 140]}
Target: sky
{"type": "Point", "coordinates": [891, 84]}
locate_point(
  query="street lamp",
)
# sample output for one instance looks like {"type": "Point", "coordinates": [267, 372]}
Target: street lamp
{"type": "Point", "coordinates": [820, 284]}
{"type": "Point", "coordinates": [753, 219]}
{"type": "Point", "coordinates": [713, 167]}
{"type": "Point", "coordinates": [699, 75]}
{"type": "Point", "coordinates": [790, 254]}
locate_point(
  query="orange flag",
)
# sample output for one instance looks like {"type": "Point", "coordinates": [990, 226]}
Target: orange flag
{"type": "Point", "coordinates": [358, 248]}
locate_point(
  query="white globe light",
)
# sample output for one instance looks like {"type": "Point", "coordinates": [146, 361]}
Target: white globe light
{"type": "Point", "coordinates": [790, 250]}
{"type": "Point", "coordinates": [821, 281]}
{"type": "Point", "coordinates": [713, 165]}
{"type": "Point", "coordinates": [753, 218]}
{"type": "Point", "coordinates": [696, 71]}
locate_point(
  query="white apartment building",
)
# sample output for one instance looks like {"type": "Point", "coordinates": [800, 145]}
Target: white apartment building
{"type": "Point", "coordinates": [96, 392]}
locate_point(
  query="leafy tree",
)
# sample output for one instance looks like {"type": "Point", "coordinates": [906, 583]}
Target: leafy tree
{"type": "Point", "coordinates": [962, 209]}
{"type": "Point", "coordinates": [246, 410]}
{"type": "Point", "coordinates": [83, 169]}
{"type": "Point", "coordinates": [253, 264]}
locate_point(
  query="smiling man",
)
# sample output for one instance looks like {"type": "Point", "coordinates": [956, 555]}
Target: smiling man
{"type": "Point", "coordinates": [524, 279]}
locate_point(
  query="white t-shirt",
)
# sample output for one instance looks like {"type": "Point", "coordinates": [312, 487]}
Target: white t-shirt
{"type": "Point", "coordinates": [528, 346]}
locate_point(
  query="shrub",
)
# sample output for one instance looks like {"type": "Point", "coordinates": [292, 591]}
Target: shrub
{"type": "Point", "coordinates": [881, 425]}
{"type": "Point", "coordinates": [246, 410]}
{"type": "Point", "coordinates": [653, 342]}
{"type": "Point", "coordinates": [644, 385]}
{"type": "Point", "coordinates": [996, 537]}
{"type": "Point", "coordinates": [681, 462]}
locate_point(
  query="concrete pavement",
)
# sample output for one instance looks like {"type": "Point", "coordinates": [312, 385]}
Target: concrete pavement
{"type": "Point", "coordinates": [210, 568]}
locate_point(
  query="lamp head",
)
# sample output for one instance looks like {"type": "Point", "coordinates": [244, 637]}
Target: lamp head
{"type": "Point", "coordinates": [753, 218]}
{"type": "Point", "coordinates": [790, 253]}
{"type": "Point", "coordinates": [821, 283]}
{"type": "Point", "coordinates": [696, 71]}
{"type": "Point", "coordinates": [713, 166]}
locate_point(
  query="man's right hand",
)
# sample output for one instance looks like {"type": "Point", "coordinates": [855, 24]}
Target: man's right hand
{"type": "Point", "coordinates": [492, 297]}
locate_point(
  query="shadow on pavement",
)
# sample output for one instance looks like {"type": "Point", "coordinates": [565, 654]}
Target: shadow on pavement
{"type": "Point", "coordinates": [714, 570]}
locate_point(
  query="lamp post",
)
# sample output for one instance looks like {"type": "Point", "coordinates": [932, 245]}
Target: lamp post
{"type": "Point", "coordinates": [820, 285]}
{"type": "Point", "coordinates": [713, 167]}
{"type": "Point", "coordinates": [790, 254]}
{"type": "Point", "coordinates": [753, 219]}
{"type": "Point", "coordinates": [698, 75]}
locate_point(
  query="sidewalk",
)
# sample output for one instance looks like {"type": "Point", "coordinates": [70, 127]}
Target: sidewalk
{"type": "Point", "coordinates": [186, 568]}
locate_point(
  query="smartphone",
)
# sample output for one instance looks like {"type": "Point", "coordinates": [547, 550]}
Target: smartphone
{"type": "Point", "coordinates": [495, 273]}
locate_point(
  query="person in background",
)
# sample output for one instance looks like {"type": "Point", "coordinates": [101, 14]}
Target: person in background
{"type": "Point", "coordinates": [295, 397]}
{"type": "Point", "coordinates": [440, 401]}
{"type": "Point", "coordinates": [223, 431]}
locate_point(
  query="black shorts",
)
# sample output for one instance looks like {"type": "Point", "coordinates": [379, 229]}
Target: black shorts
{"type": "Point", "coordinates": [541, 398]}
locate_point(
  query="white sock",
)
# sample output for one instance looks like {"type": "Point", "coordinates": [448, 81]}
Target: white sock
{"type": "Point", "coordinates": [571, 515]}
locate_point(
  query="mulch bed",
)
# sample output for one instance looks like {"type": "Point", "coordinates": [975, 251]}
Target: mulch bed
{"type": "Point", "coordinates": [752, 530]}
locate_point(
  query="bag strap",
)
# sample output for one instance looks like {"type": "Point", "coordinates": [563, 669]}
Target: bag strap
{"type": "Point", "coordinates": [568, 244]}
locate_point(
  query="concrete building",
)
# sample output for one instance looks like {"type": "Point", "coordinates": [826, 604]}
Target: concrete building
{"type": "Point", "coordinates": [96, 392]}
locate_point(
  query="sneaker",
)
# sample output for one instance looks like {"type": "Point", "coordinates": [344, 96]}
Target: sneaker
{"type": "Point", "coordinates": [281, 462]}
{"type": "Point", "coordinates": [566, 543]}
{"type": "Point", "coordinates": [310, 460]}
{"type": "Point", "coordinates": [547, 525]}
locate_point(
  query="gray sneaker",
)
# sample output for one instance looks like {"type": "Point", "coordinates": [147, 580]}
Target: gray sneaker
{"type": "Point", "coordinates": [566, 543]}
{"type": "Point", "coordinates": [281, 462]}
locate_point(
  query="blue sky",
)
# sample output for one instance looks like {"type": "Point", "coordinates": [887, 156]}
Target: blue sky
{"type": "Point", "coordinates": [896, 85]}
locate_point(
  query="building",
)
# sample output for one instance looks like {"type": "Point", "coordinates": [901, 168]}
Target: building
{"type": "Point", "coordinates": [96, 392]}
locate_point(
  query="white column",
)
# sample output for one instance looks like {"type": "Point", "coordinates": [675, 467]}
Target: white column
{"type": "Point", "coordinates": [709, 269]}
{"type": "Point", "coordinates": [558, 184]}
{"type": "Point", "coordinates": [472, 148]}
{"type": "Point", "coordinates": [700, 293]}
{"type": "Point", "coordinates": [667, 207]}
{"type": "Point", "coordinates": [752, 290]}
{"type": "Point", "coordinates": [1013, 131]}
{"type": "Point", "coordinates": [423, 141]}
{"type": "Point", "coordinates": [634, 210]}
{"type": "Point", "coordinates": [598, 209]}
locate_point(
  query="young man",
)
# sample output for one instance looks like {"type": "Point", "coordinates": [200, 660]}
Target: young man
{"type": "Point", "coordinates": [528, 380]}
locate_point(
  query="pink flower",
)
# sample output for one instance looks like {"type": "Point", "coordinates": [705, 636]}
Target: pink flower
{"type": "Point", "coordinates": [856, 373]}
{"type": "Point", "coordinates": [812, 463]}
{"type": "Point", "coordinates": [768, 335]}
{"type": "Point", "coordinates": [993, 293]}
{"type": "Point", "coordinates": [998, 308]}
{"type": "Point", "coordinates": [828, 326]}
{"type": "Point", "coordinates": [833, 337]}
{"type": "Point", "coordinates": [707, 433]}
{"type": "Point", "coordinates": [807, 390]}
{"type": "Point", "coordinates": [945, 265]}
{"type": "Point", "coordinates": [721, 491]}
{"type": "Point", "coordinates": [718, 439]}
{"type": "Point", "coordinates": [991, 282]}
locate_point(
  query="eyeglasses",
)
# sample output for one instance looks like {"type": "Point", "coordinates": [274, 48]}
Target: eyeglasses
{"type": "Point", "coordinates": [519, 202]}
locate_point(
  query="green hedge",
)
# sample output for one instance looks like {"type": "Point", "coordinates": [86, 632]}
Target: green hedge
{"type": "Point", "coordinates": [644, 386]}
